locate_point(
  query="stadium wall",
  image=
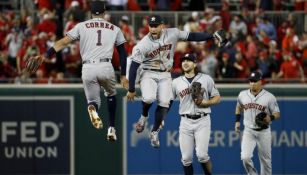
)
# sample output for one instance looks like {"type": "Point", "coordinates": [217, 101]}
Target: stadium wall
{"type": "Point", "coordinates": [45, 129]}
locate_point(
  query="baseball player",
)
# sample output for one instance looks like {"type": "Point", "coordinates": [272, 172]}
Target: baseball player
{"type": "Point", "coordinates": [97, 39]}
{"type": "Point", "coordinates": [155, 52]}
{"type": "Point", "coordinates": [252, 102]}
{"type": "Point", "coordinates": [195, 123]}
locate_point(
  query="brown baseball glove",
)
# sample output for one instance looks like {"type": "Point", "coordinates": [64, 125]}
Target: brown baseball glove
{"type": "Point", "coordinates": [197, 92]}
{"type": "Point", "coordinates": [33, 63]}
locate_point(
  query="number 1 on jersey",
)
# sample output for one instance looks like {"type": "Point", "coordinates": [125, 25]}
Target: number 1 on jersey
{"type": "Point", "coordinates": [99, 38]}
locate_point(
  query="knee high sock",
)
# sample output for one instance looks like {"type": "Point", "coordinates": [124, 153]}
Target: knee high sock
{"type": "Point", "coordinates": [160, 114]}
{"type": "Point", "coordinates": [94, 104]}
{"type": "Point", "coordinates": [207, 167]}
{"type": "Point", "coordinates": [188, 170]}
{"type": "Point", "coordinates": [145, 108]}
{"type": "Point", "coordinates": [112, 109]}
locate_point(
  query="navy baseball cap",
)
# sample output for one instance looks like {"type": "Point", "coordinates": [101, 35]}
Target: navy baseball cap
{"type": "Point", "coordinates": [255, 76]}
{"type": "Point", "coordinates": [154, 20]}
{"type": "Point", "coordinates": [190, 57]}
{"type": "Point", "coordinates": [98, 7]}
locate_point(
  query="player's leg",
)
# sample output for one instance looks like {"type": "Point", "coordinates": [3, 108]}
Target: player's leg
{"type": "Point", "coordinates": [248, 145]}
{"type": "Point", "coordinates": [148, 89]}
{"type": "Point", "coordinates": [264, 152]}
{"type": "Point", "coordinates": [202, 137]}
{"type": "Point", "coordinates": [164, 98]}
{"type": "Point", "coordinates": [108, 82]}
{"type": "Point", "coordinates": [186, 143]}
{"type": "Point", "coordinates": [92, 93]}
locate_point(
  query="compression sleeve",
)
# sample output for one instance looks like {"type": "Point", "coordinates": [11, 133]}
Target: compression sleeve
{"type": "Point", "coordinates": [132, 75]}
{"type": "Point", "coordinates": [123, 58]}
{"type": "Point", "coordinates": [198, 36]}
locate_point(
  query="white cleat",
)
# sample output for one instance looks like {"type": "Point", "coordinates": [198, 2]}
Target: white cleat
{"type": "Point", "coordinates": [95, 119]}
{"type": "Point", "coordinates": [154, 138]}
{"type": "Point", "coordinates": [139, 127]}
{"type": "Point", "coordinates": [111, 136]}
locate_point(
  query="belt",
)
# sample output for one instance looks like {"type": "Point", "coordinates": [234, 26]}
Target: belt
{"type": "Point", "coordinates": [99, 61]}
{"type": "Point", "coordinates": [259, 129]}
{"type": "Point", "coordinates": [194, 117]}
{"type": "Point", "coordinates": [156, 70]}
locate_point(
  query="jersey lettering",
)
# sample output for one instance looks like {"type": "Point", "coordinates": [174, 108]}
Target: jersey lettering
{"type": "Point", "coordinates": [99, 38]}
{"type": "Point", "coordinates": [160, 49]}
{"type": "Point", "coordinates": [254, 106]}
{"type": "Point", "coordinates": [184, 92]}
{"type": "Point", "coordinates": [99, 25]}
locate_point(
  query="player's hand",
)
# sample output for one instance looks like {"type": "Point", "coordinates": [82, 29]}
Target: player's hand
{"type": "Point", "coordinates": [237, 127]}
{"type": "Point", "coordinates": [267, 120]}
{"type": "Point", "coordinates": [131, 95]}
{"type": "Point", "coordinates": [198, 102]}
{"type": "Point", "coordinates": [124, 82]}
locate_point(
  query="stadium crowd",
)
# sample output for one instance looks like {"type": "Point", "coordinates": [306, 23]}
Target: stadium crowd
{"type": "Point", "coordinates": [278, 51]}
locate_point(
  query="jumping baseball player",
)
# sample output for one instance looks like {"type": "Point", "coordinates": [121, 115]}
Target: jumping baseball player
{"type": "Point", "coordinates": [196, 92]}
{"type": "Point", "coordinates": [155, 52]}
{"type": "Point", "coordinates": [97, 39]}
{"type": "Point", "coordinates": [256, 102]}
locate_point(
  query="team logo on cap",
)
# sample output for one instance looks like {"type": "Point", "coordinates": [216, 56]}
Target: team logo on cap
{"type": "Point", "coordinates": [186, 55]}
{"type": "Point", "coordinates": [253, 74]}
{"type": "Point", "coordinates": [153, 19]}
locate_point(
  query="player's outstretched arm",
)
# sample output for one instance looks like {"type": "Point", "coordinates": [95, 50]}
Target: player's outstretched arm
{"type": "Point", "coordinates": [33, 63]}
{"type": "Point", "coordinates": [123, 64]}
{"type": "Point", "coordinates": [132, 76]}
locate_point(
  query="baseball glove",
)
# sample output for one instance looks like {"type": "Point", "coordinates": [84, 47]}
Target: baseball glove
{"type": "Point", "coordinates": [220, 35]}
{"type": "Point", "coordinates": [33, 63]}
{"type": "Point", "coordinates": [197, 92]}
{"type": "Point", "coordinates": [259, 120]}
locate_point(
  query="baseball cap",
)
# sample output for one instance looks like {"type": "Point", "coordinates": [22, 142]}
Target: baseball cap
{"type": "Point", "coordinates": [255, 76]}
{"type": "Point", "coordinates": [190, 57]}
{"type": "Point", "coordinates": [98, 7]}
{"type": "Point", "coordinates": [155, 20]}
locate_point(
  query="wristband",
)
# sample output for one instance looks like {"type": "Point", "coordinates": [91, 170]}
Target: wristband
{"type": "Point", "coordinates": [238, 117]}
{"type": "Point", "coordinates": [272, 117]}
{"type": "Point", "coordinates": [50, 52]}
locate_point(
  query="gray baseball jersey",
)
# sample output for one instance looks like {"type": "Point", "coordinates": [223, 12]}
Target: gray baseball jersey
{"type": "Point", "coordinates": [158, 54]}
{"type": "Point", "coordinates": [194, 133]}
{"type": "Point", "coordinates": [252, 105]}
{"type": "Point", "coordinates": [181, 88]}
{"type": "Point", "coordinates": [97, 39]}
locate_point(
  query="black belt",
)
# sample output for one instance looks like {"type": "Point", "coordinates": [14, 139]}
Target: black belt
{"type": "Point", "coordinates": [99, 61]}
{"type": "Point", "coordinates": [194, 117]}
{"type": "Point", "coordinates": [260, 129]}
{"type": "Point", "coordinates": [156, 70]}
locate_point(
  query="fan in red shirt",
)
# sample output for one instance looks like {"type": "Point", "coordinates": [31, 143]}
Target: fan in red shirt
{"type": "Point", "coordinates": [290, 68]}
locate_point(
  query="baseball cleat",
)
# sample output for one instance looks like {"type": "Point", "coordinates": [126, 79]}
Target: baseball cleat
{"type": "Point", "coordinates": [154, 138]}
{"type": "Point", "coordinates": [95, 119]}
{"type": "Point", "coordinates": [139, 127]}
{"type": "Point", "coordinates": [111, 136]}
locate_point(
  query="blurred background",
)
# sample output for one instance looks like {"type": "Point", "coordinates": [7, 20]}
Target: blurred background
{"type": "Point", "coordinates": [44, 123]}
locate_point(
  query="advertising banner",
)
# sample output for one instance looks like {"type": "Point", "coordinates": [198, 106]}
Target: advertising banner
{"type": "Point", "coordinates": [289, 141]}
{"type": "Point", "coordinates": [36, 135]}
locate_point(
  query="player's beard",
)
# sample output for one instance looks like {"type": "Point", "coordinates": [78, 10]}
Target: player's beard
{"type": "Point", "coordinates": [155, 35]}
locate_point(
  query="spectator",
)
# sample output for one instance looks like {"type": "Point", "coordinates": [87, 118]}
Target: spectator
{"type": "Point", "coordinates": [266, 65]}
{"type": "Point", "coordinates": [251, 52]}
{"type": "Point", "coordinates": [74, 13]}
{"type": "Point", "coordinates": [225, 15]}
{"type": "Point", "coordinates": [240, 66]}
{"type": "Point", "coordinates": [290, 40]}
{"type": "Point", "coordinates": [290, 69]}
{"type": "Point", "coordinates": [209, 63]}
{"type": "Point", "coordinates": [116, 5]}
{"type": "Point", "coordinates": [266, 26]}
{"type": "Point", "coordinates": [14, 43]}
{"type": "Point", "coordinates": [237, 27]}
{"type": "Point", "coordinates": [225, 68]}
{"type": "Point", "coordinates": [47, 25]}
